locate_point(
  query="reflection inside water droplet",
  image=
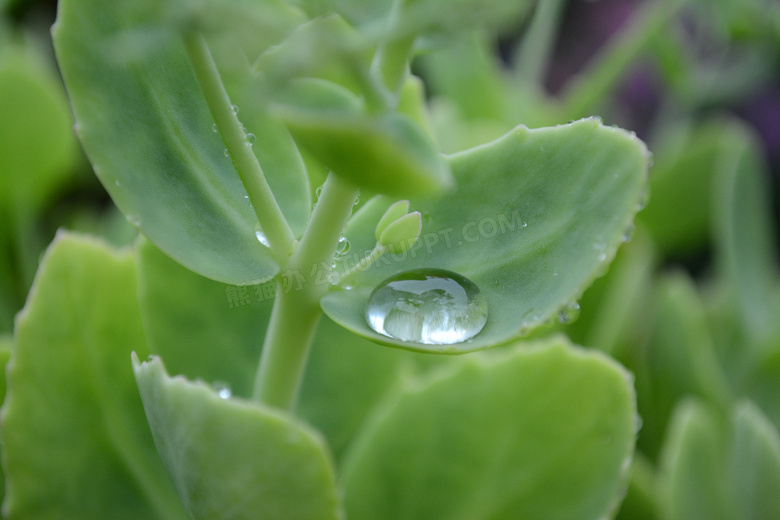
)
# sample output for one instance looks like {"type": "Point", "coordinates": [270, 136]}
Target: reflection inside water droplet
{"type": "Point", "coordinates": [429, 306]}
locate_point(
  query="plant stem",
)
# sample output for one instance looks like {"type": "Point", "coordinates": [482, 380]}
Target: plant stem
{"type": "Point", "coordinates": [366, 262]}
{"type": "Point", "coordinates": [297, 308]}
{"type": "Point", "coordinates": [605, 70]}
{"type": "Point", "coordinates": [272, 221]}
{"type": "Point", "coordinates": [533, 55]}
{"type": "Point", "coordinates": [391, 60]}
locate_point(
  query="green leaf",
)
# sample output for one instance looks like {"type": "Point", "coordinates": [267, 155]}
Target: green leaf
{"type": "Point", "coordinates": [614, 308]}
{"type": "Point", "coordinates": [399, 235]}
{"type": "Point", "coordinates": [386, 153]}
{"type": "Point", "coordinates": [536, 216]}
{"type": "Point", "coordinates": [694, 466]}
{"type": "Point", "coordinates": [174, 303]}
{"type": "Point", "coordinates": [326, 47]}
{"type": "Point", "coordinates": [744, 235]}
{"type": "Point", "coordinates": [641, 502]}
{"type": "Point", "coordinates": [756, 462]}
{"type": "Point", "coordinates": [393, 213]}
{"type": "Point", "coordinates": [6, 343]}
{"type": "Point", "coordinates": [722, 469]}
{"type": "Point", "coordinates": [75, 440]}
{"type": "Point", "coordinates": [466, 73]}
{"type": "Point", "coordinates": [431, 17]}
{"type": "Point", "coordinates": [542, 432]}
{"type": "Point", "coordinates": [230, 458]}
{"type": "Point", "coordinates": [345, 374]}
{"type": "Point", "coordinates": [148, 132]}
{"type": "Point", "coordinates": [678, 359]}
{"type": "Point", "coordinates": [678, 217]}
{"type": "Point", "coordinates": [37, 147]}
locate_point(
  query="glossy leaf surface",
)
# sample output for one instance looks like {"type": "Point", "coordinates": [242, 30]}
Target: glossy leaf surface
{"type": "Point", "coordinates": [535, 217]}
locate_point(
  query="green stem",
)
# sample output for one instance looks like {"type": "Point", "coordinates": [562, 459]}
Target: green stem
{"type": "Point", "coordinates": [296, 309]}
{"type": "Point", "coordinates": [366, 262]}
{"type": "Point", "coordinates": [605, 71]}
{"type": "Point", "coordinates": [533, 55]}
{"type": "Point", "coordinates": [272, 221]}
{"type": "Point", "coordinates": [390, 63]}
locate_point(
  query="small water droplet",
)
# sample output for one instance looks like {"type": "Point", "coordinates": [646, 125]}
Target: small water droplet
{"type": "Point", "coordinates": [222, 389]}
{"type": "Point", "coordinates": [116, 183]}
{"type": "Point", "coordinates": [261, 236]}
{"type": "Point", "coordinates": [644, 200]}
{"type": "Point", "coordinates": [226, 153]}
{"type": "Point", "coordinates": [650, 158]}
{"type": "Point", "coordinates": [602, 257]}
{"type": "Point", "coordinates": [569, 313]}
{"type": "Point", "coordinates": [571, 121]}
{"type": "Point", "coordinates": [357, 200]}
{"type": "Point", "coordinates": [214, 128]}
{"type": "Point", "coordinates": [628, 233]}
{"type": "Point", "coordinates": [134, 220]}
{"type": "Point", "coordinates": [525, 224]}
{"type": "Point", "coordinates": [251, 139]}
{"type": "Point", "coordinates": [343, 246]}
{"type": "Point", "coordinates": [234, 108]}
{"type": "Point", "coordinates": [429, 306]}
{"type": "Point", "coordinates": [318, 191]}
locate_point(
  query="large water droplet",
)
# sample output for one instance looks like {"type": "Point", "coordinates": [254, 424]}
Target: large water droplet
{"type": "Point", "coordinates": [251, 139]}
{"type": "Point", "coordinates": [261, 236]}
{"type": "Point", "coordinates": [429, 306]}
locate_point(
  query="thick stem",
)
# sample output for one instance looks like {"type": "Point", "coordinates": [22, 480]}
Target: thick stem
{"type": "Point", "coordinates": [299, 289]}
{"type": "Point", "coordinates": [270, 216]}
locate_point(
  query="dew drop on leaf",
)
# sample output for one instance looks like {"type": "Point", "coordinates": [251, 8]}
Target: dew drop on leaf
{"type": "Point", "coordinates": [628, 233]}
{"type": "Point", "coordinates": [318, 191]}
{"type": "Point", "coordinates": [214, 128]}
{"type": "Point", "coordinates": [569, 313]}
{"type": "Point", "coordinates": [261, 236]}
{"type": "Point", "coordinates": [222, 389]}
{"type": "Point", "coordinates": [234, 108]}
{"type": "Point", "coordinates": [343, 246]}
{"type": "Point", "coordinates": [429, 306]}
{"type": "Point", "coordinates": [251, 139]}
